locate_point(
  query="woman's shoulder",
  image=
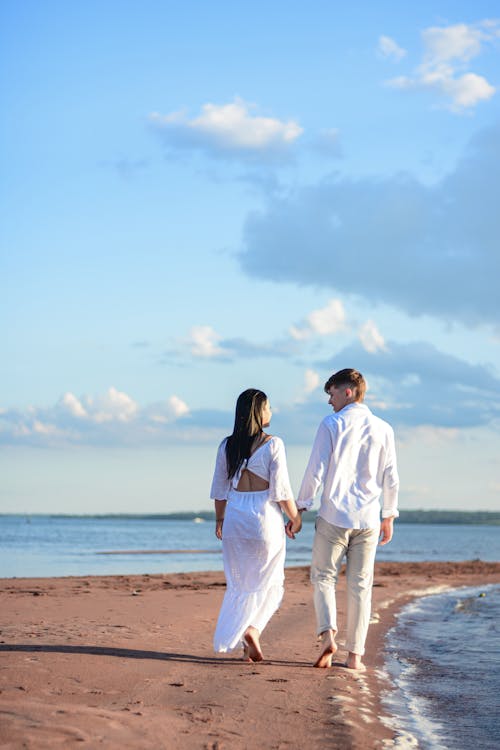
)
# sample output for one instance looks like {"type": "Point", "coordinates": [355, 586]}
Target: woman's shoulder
{"type": "Point", "coordinates": [275, 443]}
{"type": "Point", "coordinates": [269, 446]}
{"type": "Point", "coordinates": [223, 443]}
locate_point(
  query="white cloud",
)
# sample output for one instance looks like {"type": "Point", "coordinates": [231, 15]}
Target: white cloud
{"type": "Point", "coordinates": [311, 381]}
{"type": "Point", "coordinates": [462, 92]}
{"type": "Point", "coordinates": [329, 319]}
{"type": "Point", "coordinates": [370, 337]}
{"type": "Point", "coordinates": [42, 428]}
{"type": "Point", "coordinates": [228, 128]}
{"type": "Point", "coordinates": [204, 342]}
{"type": "Point", "coordinates": [467, 90]}
{"type": "Point", "coordinates": [73, 405]}
{"type": "Point", "coordinates": [325, 321]}
{"type": "Point", "coordinates": [299, 333]}
{"type": "Point", "coordinates": [413, 384]}
{"type": "Point", "coordinates": [177, 406]}
{"type": "Point", "coordinates": [430, 435]}
{"type": "Point", "coordinates": [113, 417]}
{"type": "Point", "coordinates": [458, 42]}
{"type": "Point", "coordinates": [239, 129]}
{"type": "Point", "coordinates": [447, 51]}
{"type": "Point", "coordinates": [388, 48]}
{"type": "Point", "coordinates": [113, 406]}
{"type": "Point", "coordinates": [167, 411]}
{"type": "Point", "coordinates": [310, 384]}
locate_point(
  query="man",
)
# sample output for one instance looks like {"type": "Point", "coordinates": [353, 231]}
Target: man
{"type": "Point", "coordinates": [354, 458]}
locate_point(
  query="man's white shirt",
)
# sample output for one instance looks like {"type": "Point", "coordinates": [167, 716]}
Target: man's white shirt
{"type": "Point", "coordinates": [354, 458]}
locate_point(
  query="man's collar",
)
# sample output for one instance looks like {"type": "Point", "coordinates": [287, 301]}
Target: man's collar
{"type": "Point", "coordinates": [355, 404]}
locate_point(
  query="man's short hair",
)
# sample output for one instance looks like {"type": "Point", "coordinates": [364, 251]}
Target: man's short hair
{"type": "Point", "coordinates": [348, 378]}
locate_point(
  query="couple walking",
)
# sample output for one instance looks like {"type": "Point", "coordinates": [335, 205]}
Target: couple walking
{"type": "Point", "coordinates": [353, 459]}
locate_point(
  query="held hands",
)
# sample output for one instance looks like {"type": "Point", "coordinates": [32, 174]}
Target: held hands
{"type": "Point", "coordinates": [293, 527]}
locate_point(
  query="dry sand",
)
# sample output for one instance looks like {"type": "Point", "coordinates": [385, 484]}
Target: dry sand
{"type": "Point", "coordinates": [126, 662]}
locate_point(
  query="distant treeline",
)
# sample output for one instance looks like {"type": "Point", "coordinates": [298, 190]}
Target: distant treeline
{"type": "Point", "coordinates": [406, 516]}
{"type": "Point", "coordinates": [449, 516]}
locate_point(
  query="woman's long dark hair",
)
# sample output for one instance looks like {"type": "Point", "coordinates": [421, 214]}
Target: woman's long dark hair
{"type": "Point", "coordinates": [247, 428]}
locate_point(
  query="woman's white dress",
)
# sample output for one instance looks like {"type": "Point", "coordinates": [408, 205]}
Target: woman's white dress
{"type": "Point", "coordinates": [253, 543]}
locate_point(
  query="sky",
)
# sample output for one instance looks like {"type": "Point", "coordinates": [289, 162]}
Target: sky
{"type": "Point", "coordinates": [198, 198]}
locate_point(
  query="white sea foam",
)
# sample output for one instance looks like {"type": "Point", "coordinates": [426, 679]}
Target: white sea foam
{"type": "Point", "coordinates": [428, 664]}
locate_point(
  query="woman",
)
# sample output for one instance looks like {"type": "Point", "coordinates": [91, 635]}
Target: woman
{"type": "Point", "coordinates": [250, 488]}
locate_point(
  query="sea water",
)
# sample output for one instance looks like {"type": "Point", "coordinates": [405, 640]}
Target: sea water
{"type": "Point", "coordinates": [444, 657]}
{"type": "Point", "coordinates": [92, 545]}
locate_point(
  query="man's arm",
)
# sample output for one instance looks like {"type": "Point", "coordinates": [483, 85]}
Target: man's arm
{"type": "Point", "coordinates": [390, 486]}
{"type": "Point", "coordinates": [386, 530]}
{"type": "Point", "coordinates": [390, 493]}
{"type": "Point", "coordinates": [318, 463]}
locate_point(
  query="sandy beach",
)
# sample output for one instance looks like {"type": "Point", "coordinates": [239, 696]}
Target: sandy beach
{"type": "Point", "coordinates": [127, 662]}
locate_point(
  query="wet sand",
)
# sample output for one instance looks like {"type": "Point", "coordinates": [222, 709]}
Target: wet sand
{"type": "Point", "coordinates": [126, 662]}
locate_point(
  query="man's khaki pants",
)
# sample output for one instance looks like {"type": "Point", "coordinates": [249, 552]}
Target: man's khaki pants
{"type": "Point", "coordinates": [331, 544]}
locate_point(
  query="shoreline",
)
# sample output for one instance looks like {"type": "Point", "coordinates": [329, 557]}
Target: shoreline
{"type": "Point", "coordinates": [126, 661]}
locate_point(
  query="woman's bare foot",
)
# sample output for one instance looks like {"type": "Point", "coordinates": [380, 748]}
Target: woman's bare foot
{"type": "Point", "coordinates": [246, 656]}
{"type": "Point", "coordinates": [354, 662]}
{"type": "Point", "coordinates": [328, 650]}
{"type": "Point", "coordinates": [251, 638]}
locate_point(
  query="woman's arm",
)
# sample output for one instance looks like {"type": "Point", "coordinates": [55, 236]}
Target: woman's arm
{"type": "Point", "coordinates": [220, 509]}
{"type": "Point", "coordinates": [279, 486]}
{"type": "Point", "coordinates": [220, 488]}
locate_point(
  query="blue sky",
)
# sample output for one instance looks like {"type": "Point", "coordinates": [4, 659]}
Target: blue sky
{"type": "Point", "coordinates": [198, 198]}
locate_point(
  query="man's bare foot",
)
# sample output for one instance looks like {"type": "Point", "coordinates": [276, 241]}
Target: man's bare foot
{"type": "Point", "coordinates": [251, 638]}
{"type": "Point", "coordinates": [354, 662]}
{"type": "Point", "coordinates": [328, 649]}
